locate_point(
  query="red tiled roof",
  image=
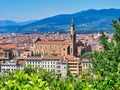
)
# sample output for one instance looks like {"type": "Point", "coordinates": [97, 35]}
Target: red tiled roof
{"type": "Point", "coordinates": [85, 60]}
{"type": "Point", "coordinates": [51, 57]}
{"type": "Point", "coordinates": [48, 57]}
{"type": "Point", "coordinates": [21, 63]}
{"type": "Point", "coordinates": [53, 42]}
{"type": "Point", "coordinates": [70, 57]}
{"type": "Point", "coordinates": [23, 49]}
{"type": "Point", "coordinates": [33, 58]}
{"type": "Point", "coordinates": [64, 61]}
{"type": "Point", "coordinates": [9, 46]}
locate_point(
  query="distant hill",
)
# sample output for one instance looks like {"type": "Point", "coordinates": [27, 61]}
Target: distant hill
{"type": "Point", "coordinates": [7, 23]}
{"type": "Point", "coordinates": [8, 26]}
{"type": "Point", "coordinates": [26, 22]}
{"type": "Point", "coordinates": [87, 21]}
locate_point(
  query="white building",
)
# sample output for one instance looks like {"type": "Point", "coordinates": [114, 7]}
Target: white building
{"type": "Point", "coordinates": [50, 63]}
{"type": "Point", "coordinates": [12, 66]}
{"type": "Point", "coordinates": [85, 63]}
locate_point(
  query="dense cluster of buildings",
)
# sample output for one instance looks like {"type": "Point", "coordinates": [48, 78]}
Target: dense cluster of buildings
{"type": "Point", "coordinates": [53, 52]}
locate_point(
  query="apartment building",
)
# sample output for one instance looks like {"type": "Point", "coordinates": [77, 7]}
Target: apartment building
{"type": "Point", "coordinates": [50, 62]}
{"type": "Point", "coordinates": [85, 64]}
{"type": "Point", "coordinates": [12, 66]}
{"type": "Point", "coordinates": [73, 64]}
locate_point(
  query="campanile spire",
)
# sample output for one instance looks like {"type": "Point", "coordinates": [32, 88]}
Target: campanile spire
{"type": "Point", "coordinates": [73, 38]}
{"type": "Point", "coordinates": [72, 25]}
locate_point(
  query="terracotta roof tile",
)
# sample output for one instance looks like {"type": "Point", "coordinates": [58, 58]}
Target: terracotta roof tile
{"type": "Point", "coordinates": [51, 57]}
{"type": "Point", "coordinates": [70, 57]}
{"type": "Point", "coordinates": [9, 46]}
{"type": "Point", "coordinates": [85, 60]}
{"type": "Point", "coordinates": [33, 58]}
{"type": "Point", "coordinates": [53, 42]}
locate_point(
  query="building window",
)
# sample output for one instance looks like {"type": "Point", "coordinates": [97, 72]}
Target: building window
{"type": "Point", "coordinates": [64, 67]}
{"type": "Point", "coordinates": [68, 50]}
{"type": "Point", "coordinates": [58, 71]}
{"type": "Point", "coordinates": [83, 65]}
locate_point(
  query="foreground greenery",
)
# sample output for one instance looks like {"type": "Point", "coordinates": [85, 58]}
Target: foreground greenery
{"type": "Point", "coordinates": [40, 79]}
{"type": "Point", "coordinates": [104, 74]}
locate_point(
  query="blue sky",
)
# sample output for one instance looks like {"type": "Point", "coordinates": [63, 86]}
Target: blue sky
{"type": "Point", "coordinates": [22, 10]}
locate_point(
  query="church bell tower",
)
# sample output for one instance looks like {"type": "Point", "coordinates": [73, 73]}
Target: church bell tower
{"type": "Point", "coordinates": [73, 48]}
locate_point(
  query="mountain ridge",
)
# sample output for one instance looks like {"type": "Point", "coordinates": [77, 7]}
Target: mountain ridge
{"type": "Point", "coordinates": [87, 21]}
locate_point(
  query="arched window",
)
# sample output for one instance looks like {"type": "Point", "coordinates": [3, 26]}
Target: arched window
{"type": "Point", "coordinates": [68, 50]}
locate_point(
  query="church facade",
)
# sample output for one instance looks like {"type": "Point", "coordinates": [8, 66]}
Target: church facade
{"type": "Point", "coordinates": [58, 47]}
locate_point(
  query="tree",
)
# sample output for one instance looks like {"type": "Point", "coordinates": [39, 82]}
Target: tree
{"type": "Point", "coordinates": [107, 61]}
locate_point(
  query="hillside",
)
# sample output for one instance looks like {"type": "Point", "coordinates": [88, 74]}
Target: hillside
{"type": "Point", "coordinates": [87, 21]}
{"type": "Point", "coordinates": [7, 23]}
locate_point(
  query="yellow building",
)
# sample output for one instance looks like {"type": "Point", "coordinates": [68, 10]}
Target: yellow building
{"type": "Point", "coordinates": [73, 64]}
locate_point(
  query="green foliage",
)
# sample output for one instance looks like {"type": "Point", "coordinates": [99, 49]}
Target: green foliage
{"type": "Point", "coordinates": [69, 74]}
{"type": "Point", "coordinates": [106, 61]}
{"type": "Point", "coordinates": [104, 42]}
{"type": "Point", "coordinates": [22, 81]}
{"type": "Point", "coordinates": [40, 79]}
{"type": "Point", "coordinates": [105, 64]}
{"type": "Point", "coordinates": [87, 55]}
{"type": "Point", "coordinates": [116, 26]}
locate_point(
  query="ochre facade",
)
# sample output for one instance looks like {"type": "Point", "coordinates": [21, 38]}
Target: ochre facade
{"type": "Point", "coordinates": [51, 47]}
{"type": "Point", "coordinates": [58, 47]}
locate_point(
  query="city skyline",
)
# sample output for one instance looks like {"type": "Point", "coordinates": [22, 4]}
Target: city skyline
{"type": "Point", "coordinates": [23, 10]}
